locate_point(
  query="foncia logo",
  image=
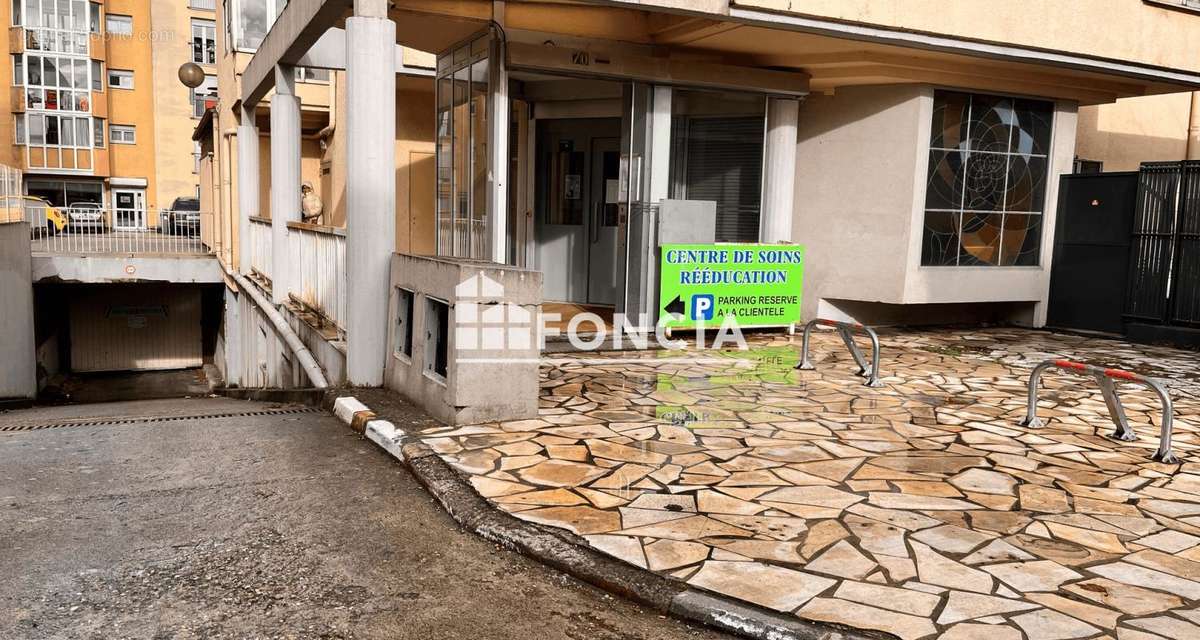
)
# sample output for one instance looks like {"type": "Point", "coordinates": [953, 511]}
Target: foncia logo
{"type": "Point", "coordinates": [489, 329]}
{"type": "Point", "coordinates": [484, 323]}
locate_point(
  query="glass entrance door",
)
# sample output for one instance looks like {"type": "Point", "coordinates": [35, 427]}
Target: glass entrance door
{"type": "Point", "coordinates": [578, 162]}
{"type": "Point", "coordinates": [602, 230]}
{"type": "Point", "coordinates": [129, 209]}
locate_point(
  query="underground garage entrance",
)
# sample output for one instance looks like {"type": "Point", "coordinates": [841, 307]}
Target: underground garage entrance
{"type": "Point", "coordinates": [101, 342]}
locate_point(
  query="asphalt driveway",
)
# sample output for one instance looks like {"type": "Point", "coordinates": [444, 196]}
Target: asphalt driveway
{"type": "Point", "coordinates": [255, 521]}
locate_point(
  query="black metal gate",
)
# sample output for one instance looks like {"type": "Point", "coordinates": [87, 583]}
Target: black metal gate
{"type": "Point", "coordinates": [1164, 263]}
{"type": "Point", "coordinates": [1091, 251]}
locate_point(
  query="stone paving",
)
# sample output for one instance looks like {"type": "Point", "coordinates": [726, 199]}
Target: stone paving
{"type": "Point", "coordinates": [921, 509]}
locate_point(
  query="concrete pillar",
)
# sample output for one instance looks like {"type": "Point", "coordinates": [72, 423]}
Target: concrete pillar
{"type": "Point", "coordinates": [370, 191]}
{"type": "Point", "coordinates": [659, 175]}
{"type": "Point", "coordinates": [235, 359]}
{"type": "Point", "coordinates": [370, 8]}
{"type": "Point", "coordinates": [779, 170]}
{"type": "Point", "coordinates": [285, 179]}
{"type": "Point", "coordinates": [248, 186]}
{"type": "Point", "coordinates": [498, 128]}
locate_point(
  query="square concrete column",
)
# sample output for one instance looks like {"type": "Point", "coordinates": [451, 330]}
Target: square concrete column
{"type": "Point", "coordinates": [285, 179]}
{"type": "Point", "coordinates": [370, 191]}
{"type": "Point", "coordinates": [498, 129]}
{"type": "Point", "coordinates": [248, 186]}
{"type": "Point", "coordinates": [779, 170]}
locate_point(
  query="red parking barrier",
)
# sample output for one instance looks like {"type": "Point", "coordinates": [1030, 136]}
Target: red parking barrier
{"type": "Point", "coordinates": [1104, 377]}
{"type": "Point", "coordinates": [845, 330]}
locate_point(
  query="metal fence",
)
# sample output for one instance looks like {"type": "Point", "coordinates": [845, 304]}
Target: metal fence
{"type": "Point", "coordinates": [1164, 270]}
{"type": "Point", "coordinates": [321, 255]}
{"type": "Point", "coordinates": [96, 230]}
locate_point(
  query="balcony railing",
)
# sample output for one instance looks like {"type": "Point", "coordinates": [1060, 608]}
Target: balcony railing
{"type": "Point", "coordinates": [260, 247]}
{"type": "Point", "coordinates": [318, 284]}
{"type": "Point", "coordinates": [93, 230]}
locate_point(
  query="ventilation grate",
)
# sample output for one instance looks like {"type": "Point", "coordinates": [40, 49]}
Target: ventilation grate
{"type": "Point", "coordinates": [106, 422]}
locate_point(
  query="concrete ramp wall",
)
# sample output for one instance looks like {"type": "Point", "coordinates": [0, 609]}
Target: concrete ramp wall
{"type": "Point", "coordinates": [18, 375]}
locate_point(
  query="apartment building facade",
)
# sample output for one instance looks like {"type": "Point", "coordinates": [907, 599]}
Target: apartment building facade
{"type": "Point", "coordinates": [96, 114]}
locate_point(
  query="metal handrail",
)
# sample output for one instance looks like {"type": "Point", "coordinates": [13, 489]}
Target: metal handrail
{"type": "Point", "coordinates": [846, 331]}
{"type": "Point", "coordinates": [1104, 377]}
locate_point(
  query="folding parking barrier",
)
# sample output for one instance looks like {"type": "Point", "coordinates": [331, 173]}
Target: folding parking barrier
{"type": "Point", "coordinates": [1104, 377]}
{"type": "Point", "coordinates": [846, 330]}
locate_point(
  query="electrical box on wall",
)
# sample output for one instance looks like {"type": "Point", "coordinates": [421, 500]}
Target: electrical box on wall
{"type": "Point", "coordinates": [687, 222]}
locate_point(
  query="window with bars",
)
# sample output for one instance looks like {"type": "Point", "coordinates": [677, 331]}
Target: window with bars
{"type": "Point", "coordinates": [986, 187]}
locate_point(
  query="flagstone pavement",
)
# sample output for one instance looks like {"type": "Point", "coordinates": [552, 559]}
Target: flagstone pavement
{"type": "Point", "coordinates": [920, 509]}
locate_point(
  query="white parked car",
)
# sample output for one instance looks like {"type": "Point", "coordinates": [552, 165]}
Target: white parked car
{"type": "Point", "coordinates": [86, 215]}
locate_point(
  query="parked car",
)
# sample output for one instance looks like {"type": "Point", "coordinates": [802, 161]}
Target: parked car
{"type": "Point", "coordinates": [183, 217]}
{"type": "Point", "coordinates": [86, 215]}
{"type": "Point", "coordinates": [44, 218]}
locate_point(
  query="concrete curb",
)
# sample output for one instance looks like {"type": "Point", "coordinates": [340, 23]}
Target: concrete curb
{"type": "Point", "coordinates": [563, 551]}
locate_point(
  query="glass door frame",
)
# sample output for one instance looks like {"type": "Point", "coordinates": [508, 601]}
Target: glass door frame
{"type": "Point", "coordinates": [140, 213]}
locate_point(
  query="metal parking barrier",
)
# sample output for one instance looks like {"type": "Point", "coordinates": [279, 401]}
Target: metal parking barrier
{"type": "Point", "coordinates": [846, 330]}
{"type": "Point", "coordinates": [1105, 377]}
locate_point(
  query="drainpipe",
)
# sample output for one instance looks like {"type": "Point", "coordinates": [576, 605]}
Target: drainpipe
{"type": "Point", "coordinates": [228, 217]}
{"type": "Point", "coordinates": [1193, 134]}
{"type": "Point", "coordinates": [305, 357]}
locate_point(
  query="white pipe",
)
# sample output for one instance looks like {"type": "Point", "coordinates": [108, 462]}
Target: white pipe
{"type": "Point", "coordinates": [1193, 133]}
{"type": "Point", "coordinates": [305, 357]}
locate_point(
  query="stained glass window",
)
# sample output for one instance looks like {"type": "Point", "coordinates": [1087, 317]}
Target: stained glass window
{"type": "Point", "coordinates": [986, 188]}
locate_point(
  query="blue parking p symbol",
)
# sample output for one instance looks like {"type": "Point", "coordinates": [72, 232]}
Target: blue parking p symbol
{"type": "Point", "coordinates": [702, 306]}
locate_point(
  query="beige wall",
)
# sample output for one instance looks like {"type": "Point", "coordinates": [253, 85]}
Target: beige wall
{"type": "Point", "coordinates": [1135, 130]}
{"type": "Point", "coordinates": [414, 148]}
{"type": "Point", "coordinates": [171, 21]}
{"type": "Point", "coordinates": [856, 227]}
{"type": "Point", "coordinates": [310, 171]}
{"type": "Point", "coordinates": [1116, 29]}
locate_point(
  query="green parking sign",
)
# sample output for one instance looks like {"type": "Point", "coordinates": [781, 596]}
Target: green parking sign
{"type": "Point", "coordinates": [759, 285]}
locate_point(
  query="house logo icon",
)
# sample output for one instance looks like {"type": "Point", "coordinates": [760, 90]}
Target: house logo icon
{"type": "Point", "coordinates": [484, 321]}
